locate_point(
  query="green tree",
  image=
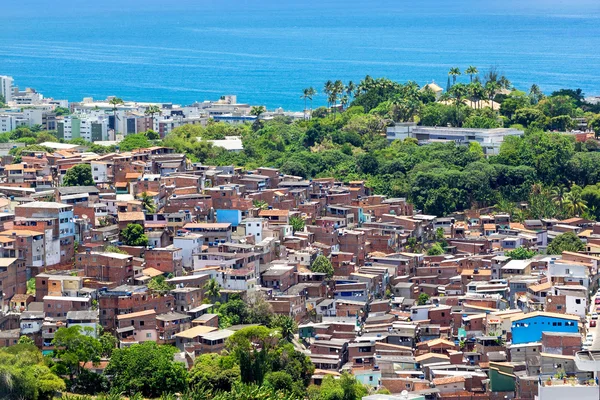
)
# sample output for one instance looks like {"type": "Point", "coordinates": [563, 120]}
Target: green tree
{"type": "Point", "coordinates": [134, 141]}
{"type": "Point", "coordinates": [454, 73]}
{"type": "Point", "coordinates": [26, 340]}
{"type": "Point", "coordinates": [151, 135]}
{"type": "Point", "coordinates": [423, 299]}
{"type": "Point", "coordinates": [146, 368]}
{"type": "Point", "coordinates": [152, 110]}
{"type": "Point", "coordinates": [159, 284]}
{"type": "Point", "coordinates": [286, 326]}
{"type": "Point", "coordinates": [435, 250]}
{"type": "Point", "coordinates": [323, 265]}
{"type": "Point", "coordinates": [133, 235]}
{"type": "Point", "coordinates": [297, 224]}
{"type": "Point", "coordinates": [148, 203]}
{"type": "Point", "coordinates": [471, 71]}
{"type": "Point", "coordinates": [344, 388]}
{"type": "Point", "coordinates": [61, 111]}
{"type": "Point", "coordinates": [212, 289]}
{"type": "Point", "coordinates": [520, 253]}
{"type": "Point", "coordinates": [567, 241]}
{"type": "Point", "coordinates": [75, 346]}
{"type": "Point", "coordinates": [79, 175]}
{"type": "Point", "coordinates": [214, 373]}
{"type": "Point", "coordinates": [24, 375]}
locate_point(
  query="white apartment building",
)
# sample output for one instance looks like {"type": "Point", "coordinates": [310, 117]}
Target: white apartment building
{"type": "Point", "coordinates": [6, 87]}
{"type": "Point", "coordinates": [92, 129]}
{"type": "Point", "coordinates": [10, 122]}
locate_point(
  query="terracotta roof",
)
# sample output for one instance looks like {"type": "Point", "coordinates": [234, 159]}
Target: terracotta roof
{"type": "Point", "coordinates": [151, 272]}
{"type": "Point", "coordinates": [136, 314]}
{"type": "Point", "coordinates": [479, 272]}
{"type": "Point", "coordinates": [131, 216]}
{"type": "Point", "coordinates": [435, 342]}
{"type": "Point", "coordinates": [489, 226]}
{"type": "Point", "coordinates": [274, 213]}
{"type": "Point", "coordinates": [450, 379]}
{"type": "Point", "coordinates": [14, 167]}
{"type": "Point", "coordinates": [540, 287]}
{"type": "Point", "coordinates": [121, 184]}
{"type": "Point", "coordinates": [132, 175]}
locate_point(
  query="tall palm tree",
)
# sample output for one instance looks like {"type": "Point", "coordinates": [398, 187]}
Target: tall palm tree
{"type": "Point", "coordinates": [504, 83]}
{"type": "Point", "coordinates": [327, 90]}
{"type": "Point", "coordinates": [350, 88]}
{"type": "Point", "coordinates": [558, 194]}
{"type": "Point", "coordinates": [311, 95]}
{"type": "Point", "coordinates": [257, 111]}
{"type": "Point", "coordinates": [151, 110]}
{"type": "Point", "coordinates": [491, 89]}
{"type": "Point", "coordinates": [535, 94]}
{"type": "Point", "coordinates": [458, 92]}
{"type": "Point", "coordinates": [212, 289]}
{"type": "Point", "coordinates": [471, 71]}
{"type": "Point", "coordinates": [574, 203]}
{"type": "Point", "coordinates": [260, 204]}
{"type": "Point", "coordinates": [116, 102]}
{"type": "Point", "coordinates": [147, 203]}
{"type": "Point", "coordinates": [305, 96]}
{"type": "Point", "coordinates": [454, 73]}
{"type": "Point", "coordinates": [477, 93]}
{"type": "Point", "coordinates": [344, 100]}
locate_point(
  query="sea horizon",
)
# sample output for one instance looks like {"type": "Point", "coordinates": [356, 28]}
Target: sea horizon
{"type": "Point", "coordinates": [268, 52]}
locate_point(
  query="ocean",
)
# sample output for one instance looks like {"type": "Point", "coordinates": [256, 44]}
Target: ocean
{"type": "Point", "coordinates": [267, 51]}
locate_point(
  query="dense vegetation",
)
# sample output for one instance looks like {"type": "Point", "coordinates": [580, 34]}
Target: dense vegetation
{"type": "Point", "coordinates": [556, 175]}
{"type": "Point", "coordinates": [259, 363]}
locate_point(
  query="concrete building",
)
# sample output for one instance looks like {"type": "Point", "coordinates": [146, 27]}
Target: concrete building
{"type": "Point", "coordinates": [6, 87]}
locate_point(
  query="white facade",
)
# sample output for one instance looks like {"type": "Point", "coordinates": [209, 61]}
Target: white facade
{"type": "Point", "coordinates": [571, 273]}
{"type": "Point", "coordinates": [189, 244]}
{"type": "Point", "coordinates": [6, 87]}
{"type": "Point", "coordinates": [560, 391]}
{"type": "Point", "coordinates": [99, 172]}
{"type": "Point", "coordinates": [10, 122]}
{"type": "Point", "coordinates": [254, 227]}
{"type": "Point", "coordinates": [52, 248]}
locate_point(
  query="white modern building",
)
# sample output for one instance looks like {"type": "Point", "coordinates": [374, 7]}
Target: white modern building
{"type": "Point", "coordinates": [189, 244]}
{"type": "Point", "coordinates": [6, 87]}
{"type": "Point", "coordinates": [489, 139]}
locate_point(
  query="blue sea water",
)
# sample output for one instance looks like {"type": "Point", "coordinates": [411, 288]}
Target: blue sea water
{"type": "Point", "coordinates": [267, 51]}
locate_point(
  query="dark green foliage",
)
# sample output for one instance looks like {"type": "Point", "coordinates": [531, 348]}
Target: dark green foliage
{"type": "Point", "coordinates": [133, 235]}
{"type": "Point", "coordinates": [79, 175]}
{"type": "Point", "coordinates": [520, 253]}
{"type": "Point", "coordinates": [323, 265]}
{"type": "Point", "coordinates": [148, 369]}
{"type": "Point", "coordinates": [565, 242]}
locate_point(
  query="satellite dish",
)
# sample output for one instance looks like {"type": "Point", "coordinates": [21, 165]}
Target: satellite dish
{"type": "Point", "coordinates": [549, 300]}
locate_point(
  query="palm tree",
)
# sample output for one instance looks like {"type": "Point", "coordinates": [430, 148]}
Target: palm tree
{"type": "Point", "coordinates": [491, 88]}
{"type": "Point", "coordinates": [212, 289]}
{"type": "Point", "coordinates": [458, 92]}
{"type": "Point", "coordinates": [574, 203]}
{"type": "Point", "coordinates": [147, 203]}
{"type": "Point", "coordinates": [151, 110]}
{"type": "Point", "coordinates": [558, 195]}
{"type": "Point", "coordinates": [115, 102]}
{"type": "Point", "coordinates": [504, 83]}
{"type": "Point", "coordinates": [471, 71]}
{"type": "Point", "coordinates": [476, 92]}
{"type": "Point", "coordinates": [288, 328]}
{"type": "Point", "coordinates": [260, 204]}
{"type": "Point", "coordinates": [535, 94]}
{"type": "Point", "coordinates": [328, 89]}
{"type": "Point", "coordinates": [305, 96]}
{"type": "Point", "coordinates": [344, 101]}
{"type": "Point", "coordinates": [350, 88]}
{"type": "Point", "coordinates": [257, 111]}
{"type": "Point", "coordinates": [454, 73]}
{"type": "Point", "coordinates": [311, 94]}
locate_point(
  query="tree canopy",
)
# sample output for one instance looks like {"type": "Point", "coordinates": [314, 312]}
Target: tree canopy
{"type": "Point", "coordinates": [79, 175]}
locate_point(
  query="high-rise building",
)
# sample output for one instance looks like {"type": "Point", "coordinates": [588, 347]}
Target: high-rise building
{"type": "Point", "coordinates": [6, 87]}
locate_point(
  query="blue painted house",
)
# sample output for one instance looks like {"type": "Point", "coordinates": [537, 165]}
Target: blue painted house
{"type": "Point", "coordinates": [234, 217]}
{"type": "Point", "coordinates": [529, 327]}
